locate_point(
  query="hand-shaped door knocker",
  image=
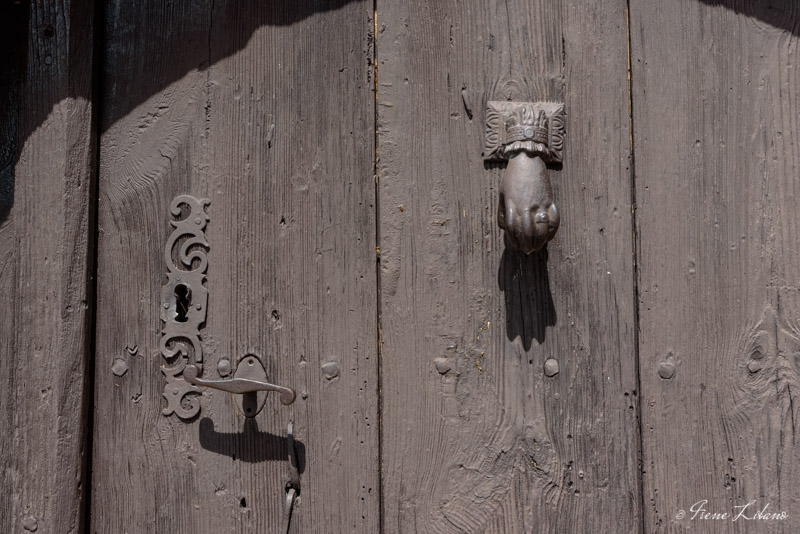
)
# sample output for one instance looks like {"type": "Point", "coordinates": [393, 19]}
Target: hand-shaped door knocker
{"type": "Point", "coordinates": [528, 136]}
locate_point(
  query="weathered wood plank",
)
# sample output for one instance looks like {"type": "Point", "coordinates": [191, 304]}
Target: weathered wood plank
{"type": "Point", "coordinates": [476, 437]}
{"type": "Point", "coordinates": [46, 229]}
{"type": "Point", "coordinates": [267, 109]}
{"type": "Point", "coordinates": [715, 98]}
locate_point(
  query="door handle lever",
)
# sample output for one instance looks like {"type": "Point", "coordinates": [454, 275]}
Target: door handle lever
{"type": "Point", "coordinates": [249, 380]}
{"type": "Point", "coordinates": [239, 386]}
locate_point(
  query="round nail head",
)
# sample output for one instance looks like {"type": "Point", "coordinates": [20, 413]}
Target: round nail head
{"type": "Point", "coordinates": [551, 367]}
{"type": "Point", "coordinates": [224, 367]}
{"type": "Point", "coordinates": [666, 370]}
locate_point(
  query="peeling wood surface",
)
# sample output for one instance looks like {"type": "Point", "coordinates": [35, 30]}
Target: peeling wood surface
{"type": "Point", "coordinates": [476, 436]}
{"type": "Point", "coordinates": [267, 109]}
{"type": "Point", "coordinates": [46, 225]}
{"type": "Point", "coordinates": [715, 91]}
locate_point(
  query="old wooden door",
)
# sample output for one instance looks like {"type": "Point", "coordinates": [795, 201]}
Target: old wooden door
{"type": "Point", "coordinates": [638, 374]}
{"type": "Point", "coordinates": [266, 109]}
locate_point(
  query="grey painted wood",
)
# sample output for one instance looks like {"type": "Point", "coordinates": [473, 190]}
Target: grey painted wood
{"type": "Point", "coordinates": [715, 94]}
{"type": "Point", "coordinates": [476, 438]}
{"type": "Point", "coordinates": [267, 109]}
{"type": "Point", "coordinates": [46, 228]}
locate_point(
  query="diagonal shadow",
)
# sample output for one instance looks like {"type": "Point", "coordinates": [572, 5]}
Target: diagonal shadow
{"type": "Point", "coordinates": [181, 37]}
{"type": "Point", "coordinates": [784, 14]}
{"type": "Point", "coordinates": [251, 445]}
{"type": "Point", "coordinates": [13, 38]}
{"type": "Point", "coordinates": [200, 34]}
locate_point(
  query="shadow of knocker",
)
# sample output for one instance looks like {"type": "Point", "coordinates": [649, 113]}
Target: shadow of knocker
{"type": "Point", "coordinates": [529, 302]}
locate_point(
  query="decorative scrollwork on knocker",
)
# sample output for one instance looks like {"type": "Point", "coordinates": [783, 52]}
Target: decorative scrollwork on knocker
{"type": "Point", "coordinates": [184, 300]}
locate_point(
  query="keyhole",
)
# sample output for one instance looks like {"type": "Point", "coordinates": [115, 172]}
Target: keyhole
{"type": "Point", "coordinates": [183, 300]}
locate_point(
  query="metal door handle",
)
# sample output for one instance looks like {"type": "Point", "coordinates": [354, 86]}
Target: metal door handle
{"type": "Point", "coordinates": [239, 386]}
{"type": "Point", "coordinates": [527, 135]}
{"type": "Point", "coordinates": [250, 379]}
{"type": "Point", "coordinates": [184, 301]}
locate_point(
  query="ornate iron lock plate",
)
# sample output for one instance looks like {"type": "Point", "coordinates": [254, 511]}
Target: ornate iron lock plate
{"type": "Point", "coordinates": [184, 300]}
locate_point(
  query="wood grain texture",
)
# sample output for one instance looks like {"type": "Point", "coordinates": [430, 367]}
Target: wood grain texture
{"type": "Point", "coordinates": [715, 97]}
{"type": "Point", "coordinates": [46, 238]}
{"type": "Point", "coordinates": [267, 109]}
{"type": "Point", "coordinates": [475, 437]}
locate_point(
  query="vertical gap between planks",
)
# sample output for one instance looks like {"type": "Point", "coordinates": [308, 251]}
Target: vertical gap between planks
{"type": "Point", "coordinates": [98, 25]}
{"type": "Point", "coordinates": [378, 264]}
{"type": "Point", "coordinates": [634, 254]}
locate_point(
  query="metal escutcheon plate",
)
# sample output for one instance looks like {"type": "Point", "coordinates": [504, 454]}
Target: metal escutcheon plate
{"type": "Point", "coordinates": [250, 404]}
